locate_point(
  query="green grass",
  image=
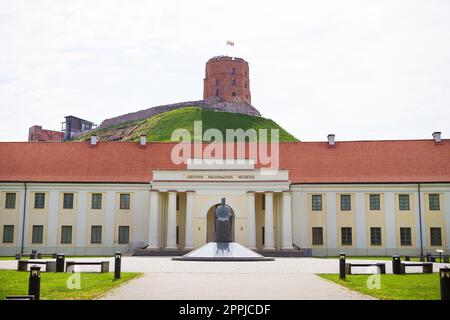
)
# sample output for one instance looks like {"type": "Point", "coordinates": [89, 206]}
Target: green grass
{"type": "Point", "coordinates": [50, 257]}
{"type": "Point", "coordinates": [393, 287]}
{"type": "Point", "coordinates": [160, 127]}
{"type": "Point", "coordinates": [369, 258]}
{"type": "Point", "coordinates": [54, 285]}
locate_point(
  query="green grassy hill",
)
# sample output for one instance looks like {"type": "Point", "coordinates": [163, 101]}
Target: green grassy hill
{"type": "Point", "coordinates": [161, 126]}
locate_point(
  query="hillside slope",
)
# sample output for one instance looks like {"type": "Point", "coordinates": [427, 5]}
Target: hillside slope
{"type": "Point", "coordinates": [161, 126]}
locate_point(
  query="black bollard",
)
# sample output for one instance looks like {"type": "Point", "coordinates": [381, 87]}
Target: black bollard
{"type": "Point", "coordinates": [117, 265]}
{"type": "Point", "coordinates": [396, 265]}
{"type": "Point", "coordinates": [60, 260]}
{"type": "Point", "coordinates": [342, 266]}
{"type": "Point", "coordinates": [444, 274]}
{"type": "Point", "coordinates": [34, 282]}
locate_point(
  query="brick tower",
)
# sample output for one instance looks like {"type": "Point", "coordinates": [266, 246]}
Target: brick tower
{"type": "Point", "coordinates": [228, 79]}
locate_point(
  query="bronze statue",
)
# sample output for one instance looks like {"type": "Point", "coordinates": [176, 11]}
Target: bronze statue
{"type": "Point", "coordinates": [223, 226]}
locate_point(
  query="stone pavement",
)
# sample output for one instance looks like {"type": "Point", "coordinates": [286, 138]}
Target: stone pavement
{"type": "Point", "coordinates": [284, 278]}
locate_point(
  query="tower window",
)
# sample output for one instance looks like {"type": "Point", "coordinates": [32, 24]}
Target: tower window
{"type": "Point", "coordinates": [233, 71]}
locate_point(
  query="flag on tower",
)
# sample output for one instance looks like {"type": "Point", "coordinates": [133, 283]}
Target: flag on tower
{"type": "Point", "coordinates": [230, 43]}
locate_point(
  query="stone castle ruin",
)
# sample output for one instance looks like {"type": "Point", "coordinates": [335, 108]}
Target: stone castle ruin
{"type": "Point", "coordinates": [226, 88]}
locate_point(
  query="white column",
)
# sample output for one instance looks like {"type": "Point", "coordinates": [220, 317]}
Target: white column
{"type": "Point", "coordinates": [447, 216]}
{"type": "Point", "coordinates": [110, 227]}
{"type": "Point", "coordinates": [360, 212]}
{"type": "Point", "coordinates": [251, 224]}
{"type": "Point", "coordinates": [172, 221]}
{"type": "Point", "coordinates": [268, 222]}
{"type": "Point", "coordinates": [153, 220]}
{"type": "Point", "coordinates": [189, 234]}
{"type": "Point", "coordinates": [331, 224]}
{"type": "Point", "coordinates": [391, 228]}
{"type": "Point", "coordinates": [81, 221]}
{"type": "Point", "coordinates": [52, 221]}
{"type": "Point", "coordinates": [287, 221]}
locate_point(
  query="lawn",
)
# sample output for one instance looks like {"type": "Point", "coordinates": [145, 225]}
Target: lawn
{"type": "Point", "coordinates": [366, 258]}
{"type": "Point", "coordinates": [54, 285]}
{"type": "Point", "coordinates": [50, 257]}
{"type": "Point", "coordinates": [393, 287]}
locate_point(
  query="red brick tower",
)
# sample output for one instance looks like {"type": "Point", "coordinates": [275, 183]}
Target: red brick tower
{"type": "Point", "coordinates": [227, 78]}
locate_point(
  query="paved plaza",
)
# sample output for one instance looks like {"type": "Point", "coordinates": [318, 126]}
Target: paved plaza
{"type": "Point", "coordinates": [284, 278]}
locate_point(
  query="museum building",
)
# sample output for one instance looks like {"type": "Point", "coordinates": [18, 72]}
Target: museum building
{"type": "Point", "coordinates": [98, 197]}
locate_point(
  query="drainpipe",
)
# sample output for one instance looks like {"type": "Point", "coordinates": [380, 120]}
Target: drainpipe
{"type": "Point", "coordinates": [420, 221]}
{"type": "Point", "coordinates": [24, 214]}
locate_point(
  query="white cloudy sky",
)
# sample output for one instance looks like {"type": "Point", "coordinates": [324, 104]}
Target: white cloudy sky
{"type": "Point", "coordinates": [359, 69]}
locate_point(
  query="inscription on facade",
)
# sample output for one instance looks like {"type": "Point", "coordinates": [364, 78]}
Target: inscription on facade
{"type": "Point", "coordinates": [220, 177]}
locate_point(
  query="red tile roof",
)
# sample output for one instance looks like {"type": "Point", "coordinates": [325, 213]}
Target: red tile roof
{"type": "Point", "coordinates": [307, 162]}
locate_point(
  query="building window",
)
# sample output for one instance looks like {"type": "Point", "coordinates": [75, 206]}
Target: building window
{"type": "Point", "coordinates": [217, 82]}
{"type": "Point", "coordinates": [346, 202]}
{"type": "Point", "coordinates": [96, 201]}
{"type": "Point", "coordinates": [405, 236]}
{"type": "Point", "coordinates": [263, 202]}
{"type": "Point", "coordinates": [433, 200]}
{"type": "Point", "coordinates": [125, 201]}
{"type": "Point", "coordinates": [403, 201]}
{"type": "Point", "coordinates": [66, 234]}
{"type": "Point", "coordinates": [124, 234]}
{"type": "Point", "coordinates": [316, 202]}
{"type": "Point", "coordinates": [39, 200]}
{"type": "Point", "coordinates": [233, 82]}
{"type": "Point", "coordinates": [10, 202]}
{"type": "Point", "coordinates": [246, 85]}
{"type": "Point", "coordinates": [8, 234]}
{"type": "Point", "coordinates": [375, 236]}
{"type": "Point", "coordinates": [374, 202]}
{"type": "Point", "coordinates": [68, 201]}
{"type": "Point", "coordinates": [96, 234]}
{"type": "Point", "coordinates": [178, 230]}
{"type": "Point", "coordinates": [178, 202]}
{"type": "Point", "coordinates": [217, 92]}
{"type": "Point", "coordinates": [233, 70]}
{"type": "Point", "coordinates": [38, 234]}
{"type": "Point", "coordinates": [436, 237]}
{"type": "Point", "coordinates": [317, 236]}
{"type": "Point", "coordinates": [233, 94]}
{"type": "Point", "coordinates": [346, 236]}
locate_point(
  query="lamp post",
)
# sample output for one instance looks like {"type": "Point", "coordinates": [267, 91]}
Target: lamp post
{"type": "Point", "coordinates": [117, 265]}
{"type": "Point", "coordinates": [60, 259]}
{"type": "Point", "coordinates": [342, 266]}
{"type": "Point", "coordinates": [444, 274]}
{"type": "Point", "coordinates": [34, 282]}
{"type": "Point", "coordinates": [396, 265]}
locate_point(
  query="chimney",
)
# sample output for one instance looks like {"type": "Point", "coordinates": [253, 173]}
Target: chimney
{"type": "Point", "coordinates": [93, 139]}
{"type": "Point", "coordinates": [331, 141]}
{"type": "Point", "coordinates": [143, 140]}
{"type": "Point", "coordinates": [437, 136]}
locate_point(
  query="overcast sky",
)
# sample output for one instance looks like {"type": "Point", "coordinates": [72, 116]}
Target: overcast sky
{"type": "Point", "coordinates": [364, 70]}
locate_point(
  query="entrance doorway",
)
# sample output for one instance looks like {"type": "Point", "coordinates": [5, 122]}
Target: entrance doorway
{"type": "Point", "coordinates": [211, 223]}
